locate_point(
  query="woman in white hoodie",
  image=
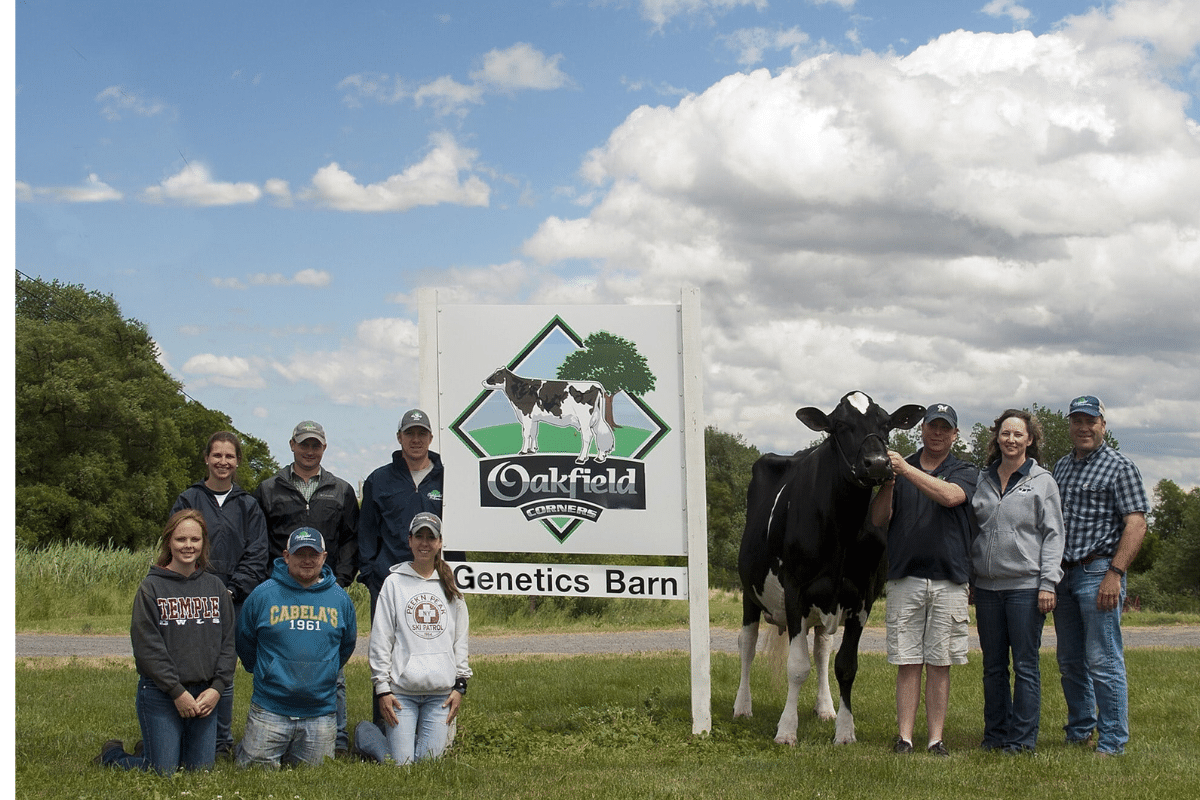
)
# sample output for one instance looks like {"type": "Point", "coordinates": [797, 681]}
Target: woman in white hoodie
{"type": "Point", "coordinates": [1016, 561]}
{"type": "Point", "coordinates": [418, 653]}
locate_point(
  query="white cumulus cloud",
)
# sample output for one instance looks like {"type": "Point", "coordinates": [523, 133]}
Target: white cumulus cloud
{"type": "Point", "coordinates": [437, 178]}
{"type": "Point", "coordinates": [229, 371]}
{"type": "Point", "coordinates": [990, 220]}
{"type": "Point", "coordinates": [93, 190]}
{"type": "Point", "coordinates": [194, 186]}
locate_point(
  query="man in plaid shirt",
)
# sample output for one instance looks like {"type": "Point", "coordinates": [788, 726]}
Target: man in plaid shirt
{"type": "Point", "coordinates": [1104, 507]}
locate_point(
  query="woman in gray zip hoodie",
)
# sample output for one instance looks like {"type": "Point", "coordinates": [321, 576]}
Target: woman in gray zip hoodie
{"type": "Point", "coordinates": [1016, 561]}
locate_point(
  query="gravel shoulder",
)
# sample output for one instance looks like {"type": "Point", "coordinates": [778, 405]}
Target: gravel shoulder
{"type": "Point", "coordinates": [34, 645]}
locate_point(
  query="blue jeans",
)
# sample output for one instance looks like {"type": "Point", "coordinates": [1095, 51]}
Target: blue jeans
{"type": "Point", "coordinates": [170, 741]}
{"type": "Point", "coordinates": [421, 732]}
{"type": "Point", "coordinates": [1009, 621]}
{"type": "Point", "coordinates": [270, 740]}
{"type": "Point", "coordinates": [1091, 659]}
{"type": "Point", "coordinates": [224, 710]}
{"type": "Point", "coordinates": [342, 741]}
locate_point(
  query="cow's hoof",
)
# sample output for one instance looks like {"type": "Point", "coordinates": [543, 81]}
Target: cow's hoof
{"type": "Point", "coordinates": [738, 713]}
{"type": "Point", "coordinates": [582, 460]}
{"type": "Point", "coordinates": [826, 716]}
{"type": "Point", "coordinates": [844, 739]}
{"type": "Point", "coordinates": [602, 458]}
{"type": "Point", "coordinates": [786, 738]}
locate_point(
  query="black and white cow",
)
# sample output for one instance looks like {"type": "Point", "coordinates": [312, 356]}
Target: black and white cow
{"type": "Point", "coordinates": [567, 404]}
{"type": "Point", "coordinates": [807, 559]}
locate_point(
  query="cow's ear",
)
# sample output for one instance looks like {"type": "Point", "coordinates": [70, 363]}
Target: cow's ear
{"type": "Point", "coordinates": [905, 417]}
{"type": "Point", "coordinates": [814, 418]}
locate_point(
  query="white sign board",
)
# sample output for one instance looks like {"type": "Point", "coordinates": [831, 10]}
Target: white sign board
{"type": "Point", "coordinates": [561, 428]}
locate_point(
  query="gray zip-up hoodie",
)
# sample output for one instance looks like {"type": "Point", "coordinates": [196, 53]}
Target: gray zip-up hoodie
{"type": "Point", "coordinates": [1020, 544]}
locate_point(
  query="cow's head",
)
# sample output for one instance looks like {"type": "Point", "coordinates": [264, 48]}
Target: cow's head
{"type": "Point", "coordinates": [496, 379]}
{"type": "Point", "coordinates": [859, 429]}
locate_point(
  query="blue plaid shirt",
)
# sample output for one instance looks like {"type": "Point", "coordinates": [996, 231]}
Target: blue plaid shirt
{"type": "Point", "coordinates": [1098, 492]}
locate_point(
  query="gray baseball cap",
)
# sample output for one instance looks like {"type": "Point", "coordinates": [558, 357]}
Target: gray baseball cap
{"type": "Point", "coordinates": [416, 418]}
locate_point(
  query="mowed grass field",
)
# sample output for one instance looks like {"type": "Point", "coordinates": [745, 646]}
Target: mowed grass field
{"type": "Point", "coordinates": [620, 727]}
{"type": "Point", "coordinates": [614, 726]}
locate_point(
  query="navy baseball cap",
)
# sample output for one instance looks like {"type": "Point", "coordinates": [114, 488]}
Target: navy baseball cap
{"type": "Point", "coordinates": [942, 411]}
{"type": "Point", "coordinates": [306, 537]}
{"type": "Point", "coordinates": [1087, 404]}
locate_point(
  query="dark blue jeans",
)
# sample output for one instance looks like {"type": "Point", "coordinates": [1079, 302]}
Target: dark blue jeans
{"type": "Point", "coordinates": [1009, 622]}
{"type": "Point", "coordinates": [170, 741]}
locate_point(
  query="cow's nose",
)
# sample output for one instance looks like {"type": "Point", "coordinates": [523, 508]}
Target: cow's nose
{"type": "Point", "coordinates": [879, 467]}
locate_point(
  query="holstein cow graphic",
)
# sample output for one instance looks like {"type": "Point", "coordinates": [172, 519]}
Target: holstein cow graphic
{"type": "Point", "coordinates": [567, 404]}
{"type": "Point", "coordinates": [807, 562]}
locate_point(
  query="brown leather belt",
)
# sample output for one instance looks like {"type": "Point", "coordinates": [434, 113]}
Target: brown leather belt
{"type": "Point", "coordinates": [1085, 560]}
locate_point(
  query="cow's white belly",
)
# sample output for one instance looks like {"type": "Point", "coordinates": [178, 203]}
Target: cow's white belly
{"type": "Point", "coordinates": [771, 599]}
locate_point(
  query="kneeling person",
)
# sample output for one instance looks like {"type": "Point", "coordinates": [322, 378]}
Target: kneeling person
{"type": "Point", "coordinates": [295, 632]}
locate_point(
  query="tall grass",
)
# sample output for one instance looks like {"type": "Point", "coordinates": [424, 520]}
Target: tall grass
{"type": "Point", "coordinates": [619, 727]}
{"type": "Point", "coordinates": [78, 589]}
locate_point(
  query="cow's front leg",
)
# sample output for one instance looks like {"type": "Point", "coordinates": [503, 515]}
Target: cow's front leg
{"type": "Point", "coordinates": [798, 667]}
{"type": "Point", "coordinates": [846, 668]}
{"type": "Point", "coordinates": [822, 647]}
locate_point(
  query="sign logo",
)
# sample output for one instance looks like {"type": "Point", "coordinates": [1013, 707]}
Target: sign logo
{"type": "Point", "coordinates": [561, 431]}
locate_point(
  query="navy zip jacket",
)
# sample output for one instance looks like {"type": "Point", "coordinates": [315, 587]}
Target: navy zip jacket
{"type": "Point", "coordinates": [390, 501]}
{"type": "Point", "coordinates": [237, 535]}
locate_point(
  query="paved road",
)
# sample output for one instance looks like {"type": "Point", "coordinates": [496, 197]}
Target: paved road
{"type": "Point", "coordinates": [721, 641]}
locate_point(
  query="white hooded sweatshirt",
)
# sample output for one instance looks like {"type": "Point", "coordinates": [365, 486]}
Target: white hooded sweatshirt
{"type": "Point", "coordinates": [418, 637]}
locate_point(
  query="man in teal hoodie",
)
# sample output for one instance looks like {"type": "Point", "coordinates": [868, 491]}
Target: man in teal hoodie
{"type": "Point", "coordinates": [295, 632]}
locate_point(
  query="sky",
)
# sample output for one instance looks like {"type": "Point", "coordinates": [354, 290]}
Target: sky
{"type": "Point", "coordinates": [988, 203]}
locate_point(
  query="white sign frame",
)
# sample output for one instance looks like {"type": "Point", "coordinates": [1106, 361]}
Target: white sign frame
{"type": "Point", "coordinates": [681, 452]}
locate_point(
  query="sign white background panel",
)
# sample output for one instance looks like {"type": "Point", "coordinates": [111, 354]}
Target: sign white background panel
{"type": "Point", "coordinates": [579, 580]}
{"type": "Point", "coordinates": [549, 501]}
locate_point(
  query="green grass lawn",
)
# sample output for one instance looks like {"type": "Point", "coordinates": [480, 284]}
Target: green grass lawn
{"type": "Point", "coordinates": [619, 727]}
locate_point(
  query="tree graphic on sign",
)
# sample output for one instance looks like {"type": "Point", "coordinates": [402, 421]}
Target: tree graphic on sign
{"type": "Point", "coordinates": [611, 361]}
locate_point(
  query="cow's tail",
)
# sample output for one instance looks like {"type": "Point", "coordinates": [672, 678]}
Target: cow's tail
{"type": "Point", "coordinates": [775, 650]}
{"type": "Point", "coordinates": [605, 439]}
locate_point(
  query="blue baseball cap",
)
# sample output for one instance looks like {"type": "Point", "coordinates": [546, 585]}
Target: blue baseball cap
{"type": "Point", "coordinates": [306, 537]}
{"type": "Point", "coordinates": [1087, 404]}
{"type": "Point", "coordinates": [942, 411]}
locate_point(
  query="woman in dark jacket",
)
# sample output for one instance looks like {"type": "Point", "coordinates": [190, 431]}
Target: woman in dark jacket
{"type": "Point", "coordinates": [237, 530]}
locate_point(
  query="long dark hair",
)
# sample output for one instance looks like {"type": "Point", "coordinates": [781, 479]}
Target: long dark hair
{"type": "Point", "coordinates": [1031, 425]}
{"type": "Point", "coordinates": [164, 543]}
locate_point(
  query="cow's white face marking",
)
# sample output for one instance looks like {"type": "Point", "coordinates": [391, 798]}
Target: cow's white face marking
{"type": "Point", "coordinates": [860, 401]}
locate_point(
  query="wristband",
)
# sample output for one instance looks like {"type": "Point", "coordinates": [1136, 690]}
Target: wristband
{"type": "Point", "coordinates": [460, 686]}
{"type": "Point", "coordinates": [1117, 570]}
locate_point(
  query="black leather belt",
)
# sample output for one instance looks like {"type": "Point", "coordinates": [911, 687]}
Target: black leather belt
{"type": "Point", "coordinates": [1085, 560]}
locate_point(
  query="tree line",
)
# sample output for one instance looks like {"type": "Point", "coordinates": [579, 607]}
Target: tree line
{"type": "Point", "coordinates": [106, 440]}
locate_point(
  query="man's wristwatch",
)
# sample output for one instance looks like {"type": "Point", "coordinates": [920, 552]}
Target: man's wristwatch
{"type": "Point", "coordinates": [1117, 570]}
